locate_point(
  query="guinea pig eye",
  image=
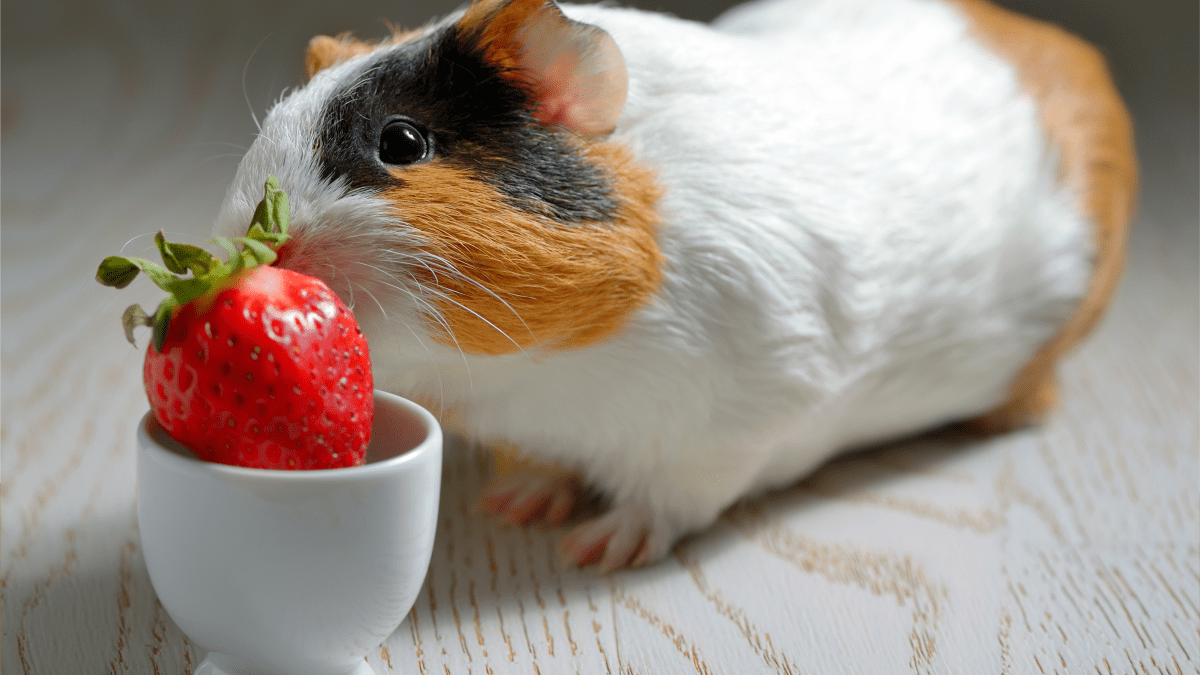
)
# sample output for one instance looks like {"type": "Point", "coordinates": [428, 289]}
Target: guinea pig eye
{"type": "Point", "coordinates": [401, 143]}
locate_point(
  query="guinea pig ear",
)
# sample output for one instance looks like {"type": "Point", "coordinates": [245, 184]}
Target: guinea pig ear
{"type": "Point", "coordinates": [325, 51]}
{"type": "Point", "coordinates": [575, 70]}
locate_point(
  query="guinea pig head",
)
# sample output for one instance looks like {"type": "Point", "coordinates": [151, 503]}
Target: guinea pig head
{"type": "Point", "coordinates": [458, 182]}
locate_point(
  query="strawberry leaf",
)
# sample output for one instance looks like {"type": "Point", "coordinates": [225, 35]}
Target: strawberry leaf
{"type": "Point", "coordinates": [235, 263]}
{"type": "Point", "coordinates": [116, 271]}
{"type": "Point", "coordinates": [282, 207]}
{"type": "Point", "coordinates": [267, 232]}
{"type": "Point", "coordinates": [263, 214]}
{"type": "Point", "coordinates": [179, 258]}
{"type": "Point", "coordinates": [119, 272]}
{"type": "Point", "coordinates": [133, 317]}
{"type": "Point", "coordinates": [258, 252]}
{"type": "Point", "coordinates": [270, 221]}
{"type": "Point", "coordinates": [228, 246]}
{"type": "Point", "coordinates": [187, 290]}
{"type": "Point", "coordinates": [162, 322]}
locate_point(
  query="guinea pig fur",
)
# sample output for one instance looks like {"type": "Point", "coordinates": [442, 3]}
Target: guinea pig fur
{"type": "Point", "coordinates": [686, 263]}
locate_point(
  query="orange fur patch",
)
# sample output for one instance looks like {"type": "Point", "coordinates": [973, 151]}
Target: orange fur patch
{"type": "Point", "coordinates": [1087, 122]}
{"type": "Point", "coordinates": [503, 20]}
{"type": "Point", "coordinates": [526, 280]}
{"type": "Point", "coordinates": [324, 51]}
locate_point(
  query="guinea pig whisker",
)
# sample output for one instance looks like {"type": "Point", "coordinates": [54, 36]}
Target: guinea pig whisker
{"type": "Point", "coordinates": [459, 275]}
{"type": "Point", "coordinates": [177, 236]}
{"type": "Point", "coordinates": [236, 146]}
{"type": "Point", "coordinates": [443, 296]}
{"type": "Point", "coordinates": [417, 259]}
{"type": "Point", "coordinates": [135, 238]}
{"type": "Point", "coordinates": [213, 158]}
{"type": "Point", "coordinates": [449, 270]}
{"type": "Point", "coordinates": [267, 139]}
{"type": "Point", "coordinates": [350, 282]}
{"type": "Point", "coordinates": [388, 320]}
{"type": "Point", "coordinates": [429, 310]}
{"type": "Point", "coordinates": [245, 93]}
{"type": "Point", "coordinates": [389, 275]}
{"type": "Point", "coordinates": [425, 307]}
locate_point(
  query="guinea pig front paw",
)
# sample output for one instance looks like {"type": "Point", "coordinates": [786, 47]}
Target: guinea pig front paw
{"type": "Point", "coordinates": [627, 536]}
{"type": "Point", "coordinates": [528, 494]}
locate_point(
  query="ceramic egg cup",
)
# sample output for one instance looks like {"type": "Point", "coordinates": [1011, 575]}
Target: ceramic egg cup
{"type": "Point", "coordinates": [292, 572]}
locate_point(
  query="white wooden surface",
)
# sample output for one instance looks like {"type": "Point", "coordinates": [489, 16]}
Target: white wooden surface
{"type": "Point", "coordinates": [1073, 548]}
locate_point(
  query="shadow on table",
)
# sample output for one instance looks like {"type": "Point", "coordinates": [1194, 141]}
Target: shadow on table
{"type": "Point", "coordinates": [96, 612]}
{"type": "Point", "coordinates": [520, 566]}
{"type": "Point", "coordinates": [856, 476]}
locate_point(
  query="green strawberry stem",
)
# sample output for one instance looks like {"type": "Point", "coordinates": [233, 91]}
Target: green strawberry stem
{"type": "Point", "coordinates": [268, 231]}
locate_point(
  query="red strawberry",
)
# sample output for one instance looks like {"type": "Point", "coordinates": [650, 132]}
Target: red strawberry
{"type": "Point", "coordinates": [253, 365]}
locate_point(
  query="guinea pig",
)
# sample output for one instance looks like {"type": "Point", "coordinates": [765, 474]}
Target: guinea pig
{"type": "Point", "coordinates": [680, 263]}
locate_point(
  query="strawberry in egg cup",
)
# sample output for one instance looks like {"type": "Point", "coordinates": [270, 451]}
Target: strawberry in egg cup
{"type": "Point", "coordinates": [286, 508]}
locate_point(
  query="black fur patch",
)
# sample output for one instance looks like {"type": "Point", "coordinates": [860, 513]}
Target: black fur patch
{"type": "Point", "coordinates": [478, 121]}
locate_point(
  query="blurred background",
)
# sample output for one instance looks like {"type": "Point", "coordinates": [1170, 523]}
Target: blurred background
{"type": "Point", "coordinates": [121, 118]}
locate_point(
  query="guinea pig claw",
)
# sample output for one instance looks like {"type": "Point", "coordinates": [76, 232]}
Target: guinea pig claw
{"type": "Point", "coordinates": [618, 539]}
{"type": "Point", "coordinates": [580, 552]}
{"type": "Point", "coordinates": [642, 556]}
{"type": "Point", "coordinates": [530, 505]}
{"type": "Point", "coordinates": [528, 496]}
{"type": "Point", "coordinates": [561, 507]}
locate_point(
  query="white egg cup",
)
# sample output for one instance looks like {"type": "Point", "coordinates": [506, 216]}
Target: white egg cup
{"type": "Point", "coordinates": [292, 572]}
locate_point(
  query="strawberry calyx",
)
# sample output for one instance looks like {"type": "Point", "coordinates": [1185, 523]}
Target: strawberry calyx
{"type": "Point", "coordinates": [267, 232]}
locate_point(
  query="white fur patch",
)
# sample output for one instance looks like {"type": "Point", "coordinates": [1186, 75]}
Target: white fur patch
{"type": "Point", "coordinates": [863, 232]}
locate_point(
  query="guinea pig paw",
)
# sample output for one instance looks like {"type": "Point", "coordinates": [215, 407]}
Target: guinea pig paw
{"type": "Point", "coordinates": [528, 495]}
{"type": "Point", "coordinates": [625, 537]}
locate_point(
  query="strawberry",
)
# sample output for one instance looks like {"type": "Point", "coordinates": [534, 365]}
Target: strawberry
{"type": "Point", "coordinates": [250, 364]}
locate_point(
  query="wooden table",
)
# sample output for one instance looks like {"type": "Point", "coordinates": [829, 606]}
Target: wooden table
{"type": "Point", "coordinates": [1072, 548]}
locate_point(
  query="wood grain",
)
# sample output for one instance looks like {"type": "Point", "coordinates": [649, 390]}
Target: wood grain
{"type": "Point", "coordinates": [1070, 548]}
